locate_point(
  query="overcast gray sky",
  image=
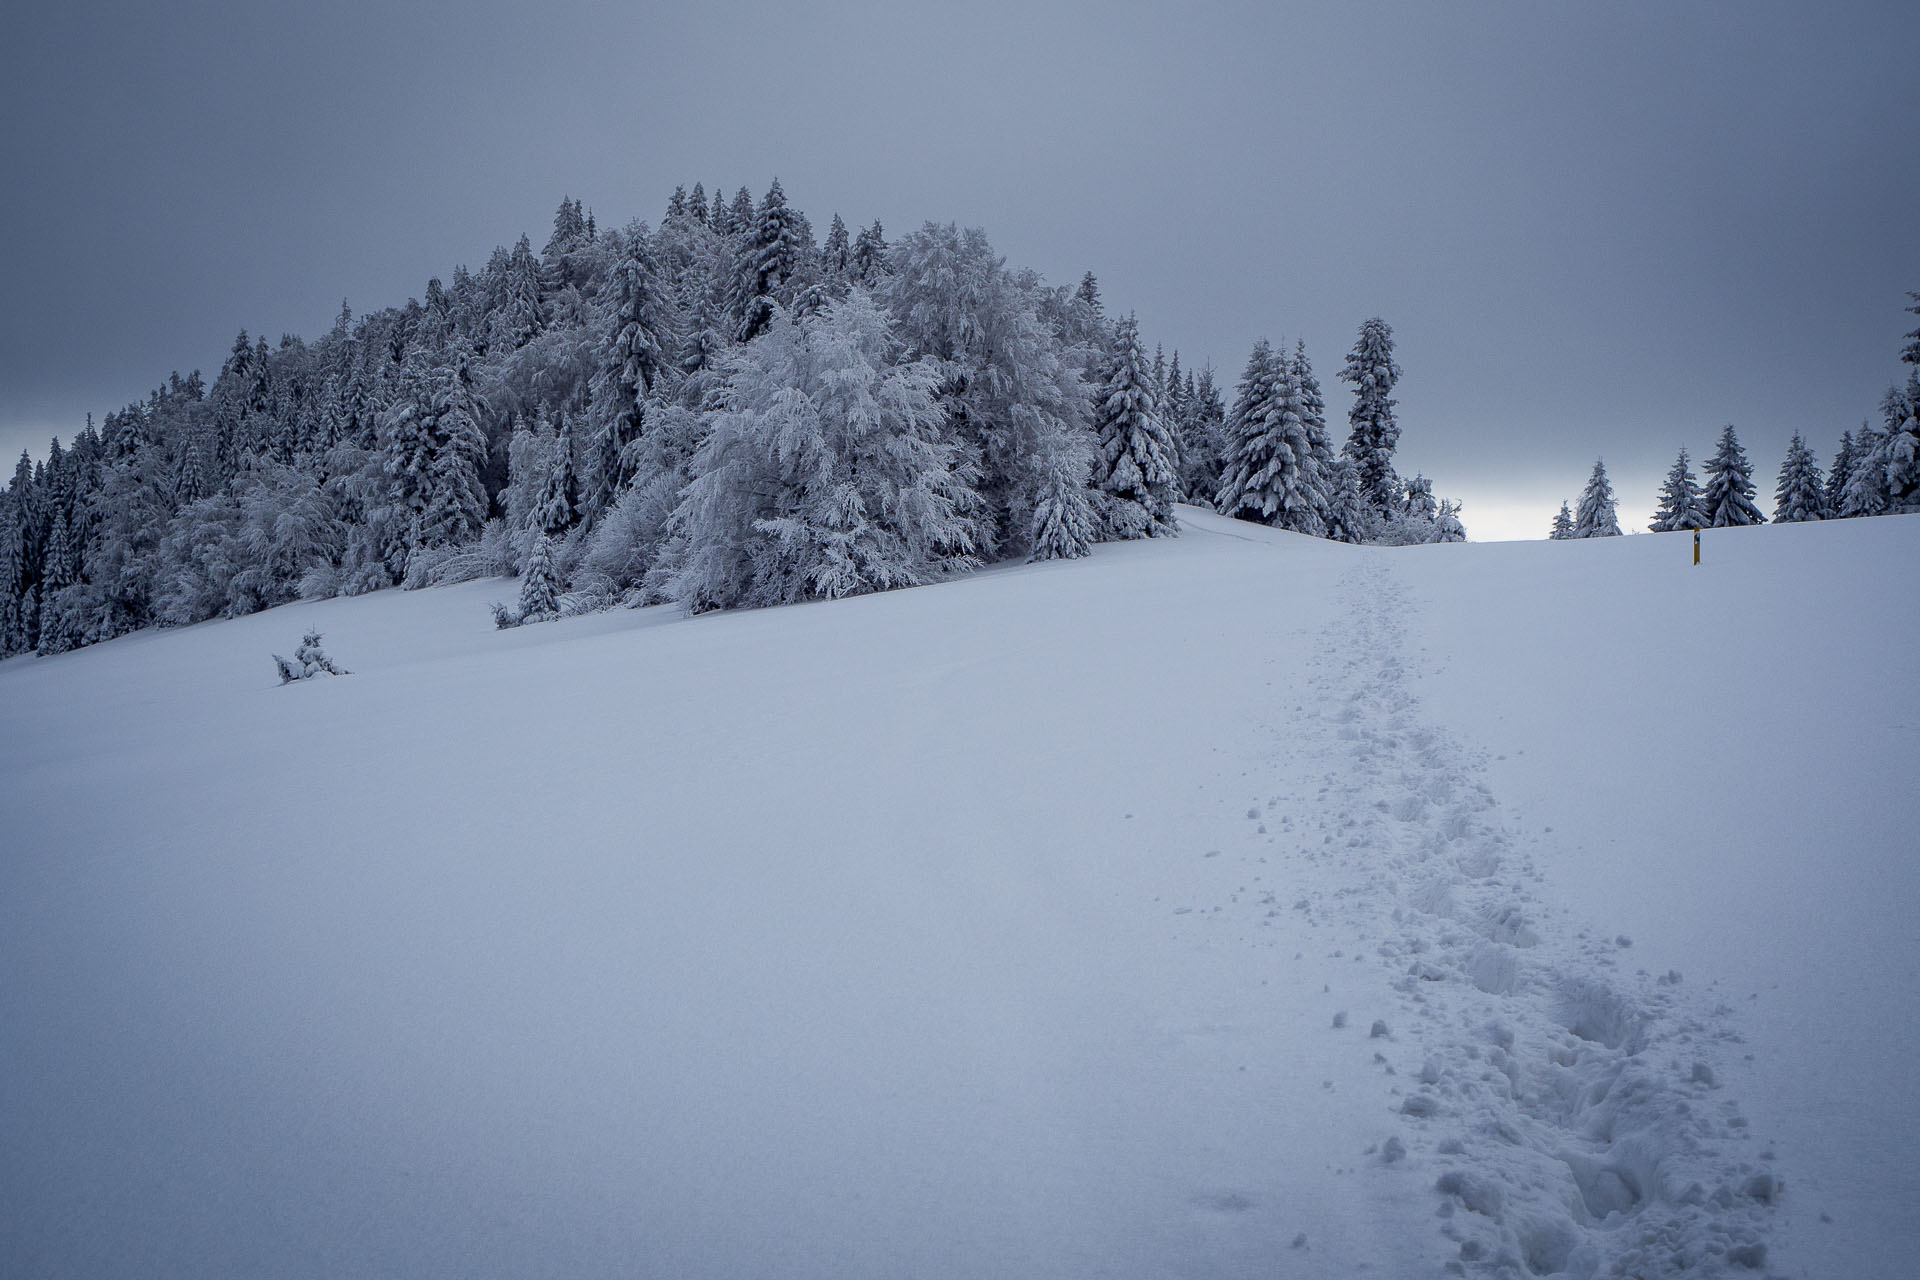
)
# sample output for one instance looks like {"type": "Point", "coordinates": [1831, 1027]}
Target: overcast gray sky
{"type": "Point", "coordinates": [1597, 230]}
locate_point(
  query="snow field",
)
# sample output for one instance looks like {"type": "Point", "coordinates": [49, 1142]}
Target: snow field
{"type": "Point", "coordinates": [1037, 923]}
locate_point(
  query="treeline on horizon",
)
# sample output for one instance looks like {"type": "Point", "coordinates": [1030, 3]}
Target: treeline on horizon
{"type": "Point", "coordinates": [1875, 472]}
{"type": "Point", "coordinates": [722, 411]}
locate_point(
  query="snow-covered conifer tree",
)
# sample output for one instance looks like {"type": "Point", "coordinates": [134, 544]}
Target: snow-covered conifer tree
{"type": "Point", "coordinates": [1133, 458]}
{"type": "Point", "coordinates": [1866, 491]}
{"type": "Point", "coordinates": [1800, 493]}
{"type": "Point", "coordinates": [632, 359]}
{"type": "Point", "coordinates": [520, 314]}
{"type": "Point", "coordinates": [1680, 505]}
{"type": "Point", "coordinates": [870, 256]}
{"type": "Point", "coordinates": [1836, 494]}
{"type": "Point", "coordinates": [1271, 474]}
{"type": "Point", "coordinates": [1089, 292]}
{"type": "Point", "coordinates": [1727, 495]}
{"type": "Point", "coordinates": [1371, 369]}
{"type": "Point", "coordinates": [1562, 525]}
{"type": "Point", "coordinates": [1347, 509]}
{"type": "Point", "coordinates": [539, 584]}
{"type": "Point", "coordinates": [772, 252]}
{"type": "Point", "coordinates": [1902, 447]}
{"type": "Point", "coordinates": [1064, 527]}
{"type": "Point", "coordinates": [432, 449]}
{"type": "Point", "coordinates": [1206, 424]}
{"type": "Point", "coordinates": [837, 253]}
{"type": "Point", "coordinates": [557, 508]}
{"type": "Point", "coordinates": [1597, 516]}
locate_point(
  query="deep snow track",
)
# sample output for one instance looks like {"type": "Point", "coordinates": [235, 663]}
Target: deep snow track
{"type": "Point", "coordinates": [1569, 1114]}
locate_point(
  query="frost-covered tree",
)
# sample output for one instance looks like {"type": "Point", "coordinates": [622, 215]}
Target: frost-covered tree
{"type": "Point", "coordinates": [1371, 370]}
{"type": "Point", "coordinates": [432, 449]}
{"type": "Point", "coordinates": [1562, 525]}
{"type": "Point", "coordinates": [1134, 456]}
{"type": "Point", "coordinates": [1597, 516]}
{"type": "Point", "coordinates": [1901, 450]}
{"type": "Point", "coordinates": [870, 256]}
{"type": "Point", "coordinates": [539, 583]}
{"type": "Point", "coordinates": [309, 660]}
{"type": "Point", "coordinates": [1727, 495]}
{"type": "Point", "coordinates": [1836, 492]}
{"type": "Point", "coordinates": [1089, 292]}
{"type": "Point", "coordinates": [768, 264]}
{"type": "Point", "coordinates": [1801, 492]}
{"type": "Point", "coordinates": [631, 360]}
{"type": "Point", "coordinates": [1866, 488]}
{"type": "Point", "coordinates": [519, 314]}
{"type": "Point", "coordinates": [1205, 427]}
{"type": "Point", "coordinates": [558, 506]}
{"type": "Point", "coordinates": [1680, 504]}
{"type": "Point", "coordinates": [1064, 526]}
{"type": "Point", "coordinates": [1012, 388]}
{"type": "Point", "coordinates": [1272, 474]}
{"type": "Point", "coordinates": [827, 472]}
{"type": "Point", "coordinates": [836, 255]}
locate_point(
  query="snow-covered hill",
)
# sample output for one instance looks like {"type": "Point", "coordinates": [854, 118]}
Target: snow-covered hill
{"type": "Point", "coordinates": [1235, 905]}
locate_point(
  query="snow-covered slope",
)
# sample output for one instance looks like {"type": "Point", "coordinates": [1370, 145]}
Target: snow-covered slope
{"type": "Point", "coordinates": [1237, 905]}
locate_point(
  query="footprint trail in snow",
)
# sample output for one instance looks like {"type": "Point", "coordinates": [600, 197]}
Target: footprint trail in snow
{"type": "Point", "coordinates": [1564, 1113]}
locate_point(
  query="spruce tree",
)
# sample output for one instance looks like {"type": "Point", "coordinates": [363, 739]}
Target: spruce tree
{"type": "Point", "coordinates": [1089, 292]}
{"type": "Point", "coordinates": [1347, 510]}
{"type": "Point", "coordinates": [1063, 522]}
{"type": "Point", "coordinates": [1680, 506]}
{"type": "Point", "coordinates": [1133, 459]}
{"type": "Point", "coordinates": [837, 253]}
{"type": "Point", "coordinates": [677, 203]}
{"type": "Point", "coordinates": [1562, 525]}
{"type": "Point", "coordinates": [1836, 494]}
{"type": "Point", "coordinates": [1727, 496]}
{"type": "Point", "coordinates": [1205, 427]}
{"type": "Point", "coordinates": [1902, 449]}
{"type": "Point", "coordinates": [1370, 368]}
{"type": "Point", "coordinates": [773, 250]}
{"type": "Point", "coordinates": [1313, 412]}
{"type": "Point", "coordinates": [539, 585]}
{"type": "Point", "coordinates": [1270, 474]}
{"type": "Point", "coordinates": [557, 507]}
{"type": "Point", "coordinates": [870, 255]}
{"type": "Point", "coordinates": [1801, 492]}
{"type": "Point", "coordinates": [697, 204]}
{"type": "Point", "coordinates": [520, 315]}
{"type": "Point", "coordinates": [1597, 517]}
{"type": "Point", "coordinates": [632, 360]}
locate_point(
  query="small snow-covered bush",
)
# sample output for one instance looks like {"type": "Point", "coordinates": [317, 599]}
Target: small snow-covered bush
{"type": "Point", "coordinates": [309, 660]}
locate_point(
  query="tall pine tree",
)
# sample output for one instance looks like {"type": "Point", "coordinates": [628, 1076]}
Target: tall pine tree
{"type": "Point", "coordinates": [1727, 496]}
{"type": "Point", "coordinates": [1597, 517]}
{"type": "Point", "coordinates": [1562, 525]}
{"type": "Point", "coordinates": [1680, 506]}
{"type": "Point", "coordinates": [1801, 492]}
{"type": "Point", "coordinates": [1134, 456]}
{"type": "Point", "coordinates": [1370, 368]}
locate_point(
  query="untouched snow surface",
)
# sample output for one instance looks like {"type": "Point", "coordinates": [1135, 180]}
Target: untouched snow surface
{"type": "Point", "coordinates": [1237, 905]}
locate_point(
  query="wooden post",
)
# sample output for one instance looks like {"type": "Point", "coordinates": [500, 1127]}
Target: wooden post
{"type": "Point", "coordinates": [1696, 546]}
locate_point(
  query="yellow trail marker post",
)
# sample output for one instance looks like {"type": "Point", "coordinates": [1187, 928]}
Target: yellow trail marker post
{"type": "Point", "coordinates": [1696, 546]}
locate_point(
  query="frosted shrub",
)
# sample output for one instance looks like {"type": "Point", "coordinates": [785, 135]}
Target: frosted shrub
{"type": "Point", "coordinates": [309, 660]}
